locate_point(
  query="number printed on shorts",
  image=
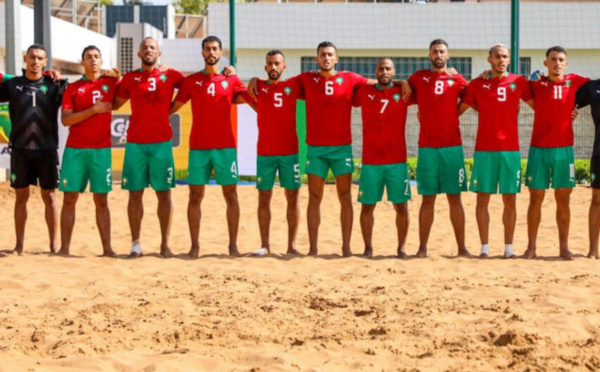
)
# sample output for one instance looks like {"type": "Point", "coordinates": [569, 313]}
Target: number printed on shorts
{"type": "Point", "coordinates": [109, 176]}
{"type": "Point", "coordinates": [407, 187]}
{"type": "Point", "coordinates": [572, 171]}
{"type": "Point", "coordinates": [234, 170]}
{"type": "Point", "coordinates": [296, 173]}
{"type": "Point", "coordinates": [518, 178]}
{"type": "Point", "coordinates": [152, 86]}
{"type": "Point", "coordinates": [169, 175]}
{"type": "Point", "coordinates": [461, 176]}
{"type": "Point", "coordinates": [439, 87]}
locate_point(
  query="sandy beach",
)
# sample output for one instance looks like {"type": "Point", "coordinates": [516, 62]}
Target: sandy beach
{"type": "Point", "coordinates": [276, 313]}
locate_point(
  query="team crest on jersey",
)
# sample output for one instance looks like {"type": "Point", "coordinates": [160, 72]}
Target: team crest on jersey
{"type": "Point", "coordinates": [105, 88]}
{"type": "Point", "coordinates": [163, 77]}
{"type": "Point", "coordinates": [512, 86]}
{"type": "Point", "coordinates": [568, 83]}
{"type": "Point", "coordinates": [43, 89]}
{"type": "Point", "coordinates": [224, 84]}
{"type": "Point", "coordinates": [396, 97]}
{"type": "Point", "coordinates": [13, 177]}
{"type": "Point", "coordinates": [339, 80]}
{"type": "Point", "coordinates": [287, 90]}
{"type": "Point", "coordinates": [451, 82]}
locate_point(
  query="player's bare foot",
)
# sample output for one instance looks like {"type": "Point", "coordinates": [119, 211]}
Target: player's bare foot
{"type": "Point", "coordinates": [313, 252]}
{"type": "Point", "coordinates": [422, 253]}
{"type": "Point", "coordinates": [52, 250]}
{"type": "Point", "coordinates": [593, 255]}
{"type": "Point", "coordinates": [293, 251]}
{"type": "Point", "coordinates": [233, 252]}
{"type": "Point", "coordinates": [194, 252]}
{"type": "Point", "coordinates": [509, 255]}
{"type": "Point", "coordinates": [484, 255]}
{"type": "Point", "coordinates": [346, 252]}
{"type": "Point", "coordinates": [135, 254]}
{"type": "Point", "coordinates": [18, 250]}
{"type": "Point", "coordinates": [165, 252]}
{"type": "Point", "coordinates": [63, 252]}
{"type": "Point", "coordinates": [109, 253]}
{"type": "Point", "coordinates": [566, 254]}
{"type": "Point", "coordinates": [402, 254]}
{"type": "Point", "coordinates": [463, 252]}
{"type": "Point", "coordinates": [529, 254]}
{"type": "Point", "coordinates": [368, 253]}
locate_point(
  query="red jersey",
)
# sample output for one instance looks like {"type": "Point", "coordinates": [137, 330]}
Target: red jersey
{"type": "Point", "coordinates": [437, 96]}
{"type": "Point", "coordinates": [93, 132]}
{"type": "Point", "coordinates": [497, 101]}
{"type": "Point", "coordinates": [329, 106]}
{"type": "Point", "coordinates": [151, 94]}
{"type": "Point", "coordinates": [554, 103]}
{"type": "Point", "coordinates": [383, 122]}
{"type": "Point", "coordinates": [276, 110]}
{"type": "Point", "coordinates": [212, 96]}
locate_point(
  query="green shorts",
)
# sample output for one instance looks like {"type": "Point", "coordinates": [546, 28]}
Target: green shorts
{"type": "Point", "coordinates": [82, 165]}
{"type": "Point", "coordinates": [223, 161]}
{"type": "Point", "coordinates": [148, 164]}
{"type": "Point", "coordinates": [441, 170]}
{"type": "Point", "coordinates": [496, 168]}
{"type": "Point", "coordinates": [321, 158]}
{"type": "Point", "coordinates": [394, 177]}
{"type": "Point", "coordinates": [288, 167]}
{"type": "Point", "coordinates": [556, 164]}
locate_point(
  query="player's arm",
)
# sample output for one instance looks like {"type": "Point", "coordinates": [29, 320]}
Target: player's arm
{"type": "Point", "coordinates": [175, 106]}
{"type": "Point", "coordinates": [530, 104]}
{"type": "Point", "coordinates": [582, 98]}
{"type": "Point", "coordinates": [69, 117]}
{"type": "Point", "coordinates": [119, 102]}
{"type": "Point", "coordinates": [253, 86]}
{"type": "Point", "coordinates": [463, 107]}
{"type": "Point", "coordinates": [114, 72]}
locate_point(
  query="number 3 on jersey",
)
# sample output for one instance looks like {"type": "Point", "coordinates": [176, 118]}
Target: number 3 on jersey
{"type": "Point", "coordinates": [152, 86]}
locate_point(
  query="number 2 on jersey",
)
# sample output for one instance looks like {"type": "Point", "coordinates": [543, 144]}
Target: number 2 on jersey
{"type": "Point", "coordinates": [96, 96]}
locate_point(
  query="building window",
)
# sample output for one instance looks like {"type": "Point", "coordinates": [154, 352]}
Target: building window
{"type": "Point", "coordinates": [126, 54]}
{"type": "Point", "coordinates": [405, 66]}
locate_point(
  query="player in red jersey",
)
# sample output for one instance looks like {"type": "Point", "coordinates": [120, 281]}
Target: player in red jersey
{"type": "Point", "coordinates": [277, 148]}
{"type": "Point", "coordinates": [212, 141]}
{"type": "Point", "coordinates": [441, 166]}
{"type": "Point", "coordinates": [86, 107]}
{"type": "Point", "coordinates": [497, 157]}
{"type": "Point", "coordinates": [149, 148]}
{"type": "Point", "coordinates": [384, 153]}
{"type": "Point", "coordinates": [551, 157]}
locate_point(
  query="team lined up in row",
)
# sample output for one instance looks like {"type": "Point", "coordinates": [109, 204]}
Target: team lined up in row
{"type": "Point", "coordinates": [441, 97]}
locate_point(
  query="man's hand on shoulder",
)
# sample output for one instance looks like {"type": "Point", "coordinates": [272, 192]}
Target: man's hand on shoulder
{"type": "Point", "coordinates": [229, 71]}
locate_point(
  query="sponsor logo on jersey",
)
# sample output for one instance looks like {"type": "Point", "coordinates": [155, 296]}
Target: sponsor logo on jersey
{"type": "Point", "coordinates": [487, 86]}
{"type": "Point", "coordinates": [163, 77]}
{"type": "Point", "coordinates": [287, 90]}
{"type": "Point", "coordinates": [224, 84]}
{"type": "Point", "coordinates": [372, 96]}
{"type": "Point", "coordinates": [339, 80]}
{"type": "Point", "coordinates": [81, 90]}
{"type": "Point", "coordinates": [105, 88]}
{"type": "Point", "coordinates": [43, 89]}
{"type": "Point", "coordinates": [544, 83]}
{"type": "Point", "coordinates": [451, 82]}
{"type": "Point", "coordinates": [426, 78]}
{"type": "Point", "coordinates": [199, 83]}
{"type": "Point", "coordinates": [139, 78]}
{"type": "Point", "coordinates": [20, 88]}
{"type": "Point", "coordinates": [396, 97]}
{"type": "Point", "coordinates": [512, 86]}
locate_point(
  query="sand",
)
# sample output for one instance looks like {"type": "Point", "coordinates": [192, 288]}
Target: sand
{"type": "Point", "coordinates": [88, 313]}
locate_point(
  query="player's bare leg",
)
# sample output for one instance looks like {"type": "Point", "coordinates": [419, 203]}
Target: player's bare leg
{"type": "Point", "coordinates": [52, 217]}
{"type": "Point", "coordinates": [316, 186]}
{"type": "Point", "coordinates": [103, 223]}
{"type": "Point", "coordinates": [457, 217]}
{"type": "Point", "coordinates": [343, 184]}
{"type": "Point", "coordinates": [164, 212]}
{"type": "Point", "coordinates": [135, 213]}
{"type": "Point", "coordinates": [534, 216]}
{"type": "Point", "coordinates": [264, 217]}
{"type": "Point", "coordinates": [67, 221]}
{"type": "Point", "coordinates": [483, 222]}
{"type": "Point", "coordinates": [293, 219]}
{"type": "Point", "coordinates": [367, 220]}
{"type": "Point", "coordinates": [426, 215]}
{"type": "Point", "coordinates": [402, 222]}
{"type": "Point", "coordinates": [22, 196]}
{"type": "Point", "coordinates": [194, 213]}
{"type": "Point", "coordinates": [563, 220]}
{"type": "Point", "coordinates": [594, 224]}
{"type": "Point", "coordinates": [233, 217]}
{"type": "Point", "coordinates": [509, 219]}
